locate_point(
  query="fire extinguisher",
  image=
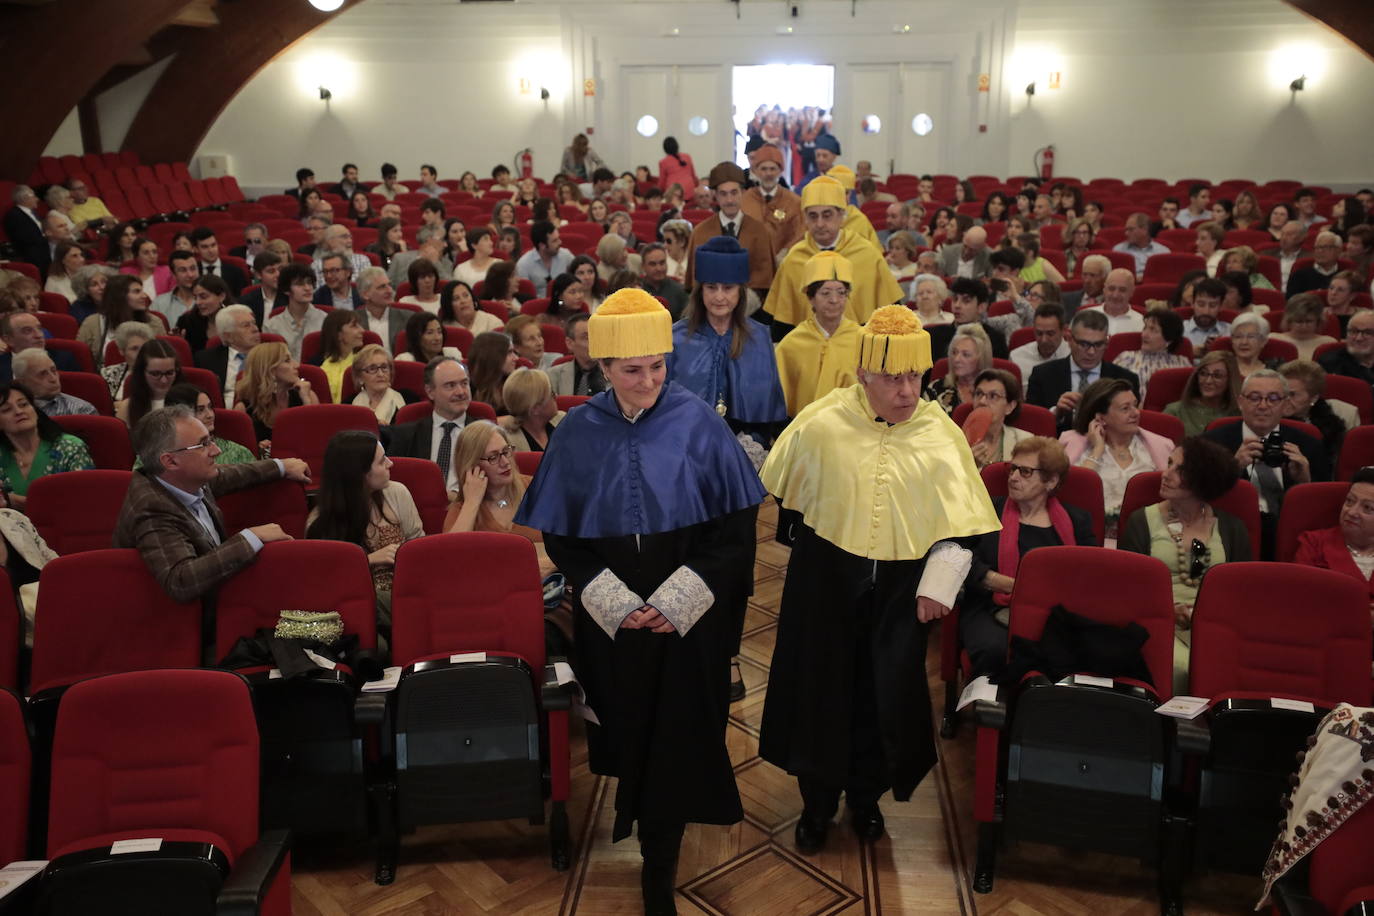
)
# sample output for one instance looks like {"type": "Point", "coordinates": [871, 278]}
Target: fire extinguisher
{"type": "Point", "coordinates": [1044, 160]}
{"type": "Point", "coordinates": [524, 163]}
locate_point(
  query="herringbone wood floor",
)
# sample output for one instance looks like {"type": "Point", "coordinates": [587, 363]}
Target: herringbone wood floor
{"type": "Point", "coordinates": [924, 865]}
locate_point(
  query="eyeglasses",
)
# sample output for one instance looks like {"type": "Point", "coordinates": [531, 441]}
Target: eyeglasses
{"type": "Point", "coordinates": [203, 443]}
{"type": "Point", "coordinates": [1359, 332]}
{"type": "Point", "coordinates": [1199, 558]}
{"type": "Point", "coordinates": [375, 368]}
{"type": "Point", "coordinates": [1272, 397]}
{"type": "Point", "coordinates": [161, 373]}
{"type": "Point", "coordinates": [1024, 470]}
{"type": "Point", "coordinates": [1089, 344]}
{"type": "Point", "coordinates": [493, 457]}
{"type": "Point", "coordinates": [993, 396]}
{"type": "Point", "coordinates": [1219, 376]}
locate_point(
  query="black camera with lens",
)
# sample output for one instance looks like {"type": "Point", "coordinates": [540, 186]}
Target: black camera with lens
{"type": "Point", "coordinates": [1272, 453]}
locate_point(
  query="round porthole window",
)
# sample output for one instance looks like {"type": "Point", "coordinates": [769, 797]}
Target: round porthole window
{"type": "Point", "coordinates": [922, 125]}
{"type": "Point", "coordinates": [872, 124]}
{"type": "Point", "coordinates": [698, 126]}
{"type": "Point", "coordinates": [647, 126]}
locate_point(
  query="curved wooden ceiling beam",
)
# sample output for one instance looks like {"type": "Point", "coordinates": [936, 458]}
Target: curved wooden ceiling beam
{"type": "Point", "coordinates": [1351, 18]}
{"type": "Point", "coordinates": [54, 54]}
{"type": "Point", "coordinates": [211, 66]}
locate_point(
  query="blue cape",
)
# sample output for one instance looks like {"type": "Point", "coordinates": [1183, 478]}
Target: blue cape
{"type": "Point", "coordinates": [603, 476]}
{"type": "Point", "coordinates": [749, 385]}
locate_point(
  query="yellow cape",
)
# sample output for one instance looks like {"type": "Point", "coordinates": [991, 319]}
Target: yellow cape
{"type": "Point", "coordinates": [860, 225]}
{"type": "Point", "coordinates": [877, 491]}
{"type": "Point", "coordinates": [874, 285]}
{"type": "Point", "coordinates": [811, 365]}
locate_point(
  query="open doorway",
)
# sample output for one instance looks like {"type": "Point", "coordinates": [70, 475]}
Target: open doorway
{"type": "Point", "coordinates": [788, 100]}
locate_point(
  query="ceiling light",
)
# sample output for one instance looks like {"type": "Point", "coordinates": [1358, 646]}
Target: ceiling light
{"type": "Point", "coordinates": [326, 6]}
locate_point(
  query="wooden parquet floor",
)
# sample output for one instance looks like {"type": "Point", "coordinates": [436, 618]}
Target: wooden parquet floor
{"type": "Point", "coordinates": [923, 866]}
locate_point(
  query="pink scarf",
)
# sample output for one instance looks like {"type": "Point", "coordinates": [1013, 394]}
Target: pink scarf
{"type": "Point", "coordinates": [1008, 548]}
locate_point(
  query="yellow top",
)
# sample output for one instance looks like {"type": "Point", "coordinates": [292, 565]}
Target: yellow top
{"type": "Point", "coordinates": [811, 365]}
{"type": "Point", "coordinates": [93, 208]}
{"type": "Point", "coordinates": [894, 342]}
{"type": "Point", "coordinates": [877, 491]}
{"type": "Point", "coordinates": [335, 370]}
{"type": "Point", "coordinates": [856, 223]}
{"type": "Point", "coordinates": [827, 265]}
{"type": "Point", "coordinates": [630, 323]}
{"type": "Point", "coordinates": [873, 285]}
{"type": "Point", "coordinates": [843, 174]}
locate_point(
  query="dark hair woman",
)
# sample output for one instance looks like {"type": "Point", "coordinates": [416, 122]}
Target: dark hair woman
{"type": "Point", "coordinates": [32, 445]}
{"type": "Point", "coordinates": [156, 369]}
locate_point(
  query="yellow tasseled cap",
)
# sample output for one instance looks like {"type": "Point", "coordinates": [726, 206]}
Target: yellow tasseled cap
{"type": "Point", "coordinates": [827, 265]}
{"type": "Point", "coordinates": [894, 342]}
{"type": "Point", "coordinates": [823, 191]}
{"type": "Point", "coordinates": [630, 323]}
{"type": "Point", "coordinates": [843, 174]}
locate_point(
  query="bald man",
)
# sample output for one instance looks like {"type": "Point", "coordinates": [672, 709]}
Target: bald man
{"type": "Point", "coordinates": [1116, 303]}
{"type": "Point", "coordinates": [1326, 253]}
{"type": "Point", "coordinates": [968, 259]}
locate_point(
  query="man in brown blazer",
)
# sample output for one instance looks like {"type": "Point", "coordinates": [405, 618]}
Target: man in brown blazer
{"type": "Point", "coordinates": [169, 514]}
{"type": "Point", "coordinates": [727, 185]}
{"type": "Point", "coordinates": [771, 204]}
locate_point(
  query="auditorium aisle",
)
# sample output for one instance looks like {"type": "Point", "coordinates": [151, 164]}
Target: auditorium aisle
{"type": "Point", "coordinates": [923, 866]}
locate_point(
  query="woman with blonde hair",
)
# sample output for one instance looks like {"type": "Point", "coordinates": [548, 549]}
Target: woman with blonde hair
{"type": "Point", "coordinates": [970, 352]}
{"type": "Point", "coordinates": [1078, 243]}
{"type": "Point", "coordinates": [270, 383]}
{"type": "Point", "coordinates": [372, 375]}
{"type": "Point", "coordinates": [490, 485]}
{"type": "Point", "coordinates": [901, 256]}
{"type": "Point", "coordinates": [1243, 258]}
{"type": "Point", "coordinates": [534, 412]}
{"type": "Point", "coordinates": [677, 234]}
{"type": "Point", "coordinates": [1302, 321]}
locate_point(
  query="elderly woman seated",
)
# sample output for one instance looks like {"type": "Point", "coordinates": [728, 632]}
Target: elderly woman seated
{"type": "Point", "coordinates": [1347, 548]}
{"type": "Point", "coordinates": [1160, 340]}
{"type": "Point", "coordinates": [970, 352]}
{"type": "Point", "coordinates": [1306, 387]}
{"type": "Point", "coordinates": [1032, 516]}
{"type": "Point", "coordinates": [1249, 334]}
{"type": "Point", "coordinates": [534, 412]}
{"type": "Point", "coordinates": [372, 375]}
{"type": "Point", "coordinates": [929, 292]}
{"type": "Point", "coordinates": [1185, 533]}
{"type": "Point", "coordinates": [999, 392]}
{"type": "Point", "coordinates": [1107, 438]}
{"type": "Point", "coordinates": [1301, 317]}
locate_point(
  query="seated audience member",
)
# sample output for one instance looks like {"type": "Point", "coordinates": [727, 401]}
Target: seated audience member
{"type": "Point", "coordinates": [593, 287]}
{"type": "Point", "coordinates": [677, 234]}
{"type": "Point", "coordinates": [268, 295]}
{"type": "Point", "coordinates": [377, 314]}
{"type": "Point", "coordinates": [901, 255]}
{"type": "Point", "coordinates": [1340, 295]}
{"type": "Point", "coordinates": [37, 373]}
{"type": "Point", "coordinates": [338, 290]}
{"type": "Point", "coordinates": [425, 339]}
{"type": "Point", "coordinates": [567, 297]}
{"type": "Point", "coordinates": [123, 301]}
{"type": "Point", "coordinates": [524, 333]}
{"type": "Point", "coordinates": [458, 309]}
{"type": "Point", "coordinates": [656, 281]}
{"type": "Point", "coordinates": [969, 354]}
{"type": "Point", "coordinates": [389, 187]}
{"type": "Point", "coordinates": [1356, 358]}
{"type": "Point", "coordinates": [1138, 243]}
{"type": "Point", "coordinates": [359, 503]}
{"type": "Point", "coordinates": [207, 252]}
{"type": "Point", "coordinates": [184, 394]}
{"type": "Point", "coordinates": [425, 284]}
{"type": "Point", "coordinates": [338, 240]}
{"type": "Point", "coordinates": [1049, 342]}
{"type": "Point", "coordinates": [430, 247]}
{"type": "Point", "coordinates": [433, 438]}
{"type": "Point", "coordinates": [1078, 242]}
{"type": "Point", "coordinates": [341, 338]}
{"type": "Point", "coordinates": [254, 244]}
{"type": "Point", "coordinates": [198, 325]}
{"type": "Point", "coordinates": [170, 516]}
{"type": "Point", "coordinates": [270, 383]}
{"type": "Point", "coordinates": [1208, 245]}
{"type": "Point", "coordinates": [492, 486]}
{"type": "Point", "coordinates": [1205, 323]}
{"type": "Point", "coordinates": [482, 244]}
{"type": "Point", "coordinates": [1000, 392]}
{"type": "Point", "coordinates": [501, 286]}
{"type": "Point", "coordinates": [821, 354]}
{"type": "Point", "coordinates": [970, 299]}
{"type": "Point", "coordinates": [180, 299]}
{"type": "Point", "coordinates": [546, 259]}
{"type": "Point", "coordinates": [1116, 303]}
{"type": "Point", "coordinates": [23, 331]}
{"type": "Point", "coordinates": [1249, 334]}
{"type": "Point", "coordinates": [967, 259]}
{"type": "Point", "coordinates": [391, 240]}
{"type": "Point", "coordinates": [1211, 393]}
{"type": "Point", "coordinates": [1058, 384]}
{"type": "Point", "coordinates": [1243, 259]}
{"type": "Point", "coordinates": [1301, 317]}
{"type": "Point", "coordinates": [1106, 438]}
{"type": "Point", "coordinates": [67, 259]}
{"type": "Point", "coordinates": [32, 445]}
{"type": "Point", "coordinates": [534, 412]}
{"type": "Point", "coordinates": [1032, 516]}
{"type": "Point", "coordinates": [455, 239]}
{"type": "Point", "coordinates": [360, 209]}
{"type": "Point", "coordinates": [1036, 267]}
{"type": "Point", "coordinates": [88, 284]}
{"type": "Point", "coordinates": [492, 360]}
{"type": "Point", "coordinates": [300, 317]}
{"type": "Point", "coordinates": [1325, 265]}
{"type": "Point", "coordinates": [1240, 294]}
{"type": "Point", "coordinates": [580, 375]}
{"type": "Point", "coordinates": [1348, 547]}
{"type": "Point", "coordinates": [156, 369]}
{"type": "Point", "coordinates": [1306, 387]}
{"type": "Point", "coordinates": [129, 338]}
{"type": "Point", "coordinates": [238, 334]}
{"type": "Point", "coordinates": [1188, 535]}
{"type": "Point", "coordinates": [929, 292]}
{"type": "Point", "coordinates": [612, 257]}
{"type": "Point", "coordinates": [372, 376]}
{"type": "Point", "coordinates": [1160, 339]}
{"type": "Point", "coordinates": [1271, 456]}
{"type": "Point", "coordinates": [1094, 276]}
{"type": "Point", "coordinates": [502, 215]}
{"type": "Point", "coordinates": [27, 296]}
{"type": "Point", "coordinates": [509, 243]}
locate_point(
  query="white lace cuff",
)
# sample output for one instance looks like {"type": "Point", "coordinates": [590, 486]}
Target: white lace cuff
{"type": "Point", "coordinates": [682, 598]}
{"type": "Point", "coordinates": [609, 601]}
{"type": "Point", "coordinates": [947, 564]}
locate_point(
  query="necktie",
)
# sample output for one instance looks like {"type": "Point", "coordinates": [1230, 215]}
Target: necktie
{"type": "Point", "coordinates": [1083, 378]}
{"type": "Point", "coordinates": [1270, 487]}
{"type": "Point", "coordinates": [446, 449]}
{"type": "Point", "coordinates": [730, 229]}
{"type": "Point", "coordinates": [207, 269]}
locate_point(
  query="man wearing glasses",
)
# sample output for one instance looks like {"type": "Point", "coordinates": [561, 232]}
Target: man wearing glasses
{"type": "Point", "coordinates": [337, 291]}
{"type": "Point", "coordinates": [1326, 255]}
{"type": "Point", "coordinates": [1356, 358]}
{"type": "Point", "coordinates": [1272, 463]}
{"type": "Point", "coordinates": [1058, 384]}
{"type": "Point", "coordinates": [170, 516]}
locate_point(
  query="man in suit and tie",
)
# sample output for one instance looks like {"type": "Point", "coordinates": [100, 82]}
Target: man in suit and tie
{"type": "Point", "coordinates": [581, 374]}
{"type": "Point", "coordinates": [378, 315]}
{"type": "Point", "coordinates": [970, 258]}
{"type": "Point", "coordinates": [170, 516]}
{"type": "Point", "coordinates": [238, 333]}
{"type": "Point", "coordinates": [207, 252]}
{"type": "Point", "coordinates": [446, 384]}
{"type": "Point", "coordinates": [25, 229]}
{"type": "Point", "coordinates": [1058, 384]}
{"type": "Point", "coordinates": [1302, 459]}
{"type": "Point", "coordinates": [727, 186]}
{"type": "Point", "coordinates": [268, 296]}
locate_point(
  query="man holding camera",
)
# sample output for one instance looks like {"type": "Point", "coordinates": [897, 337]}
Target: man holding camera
{"type": "Point", "coordinates": [1272, 456]}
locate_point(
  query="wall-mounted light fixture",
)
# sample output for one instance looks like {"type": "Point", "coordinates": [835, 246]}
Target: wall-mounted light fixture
{"type": "Point", "coordinates": [325, 94]}
{"type": "Point", "coordinates": [326, 6]}
{"type": "Point", "coordinates": [1299, 84]}
{"type": "Point", "coordinates": [543, 93]}
{"type": "Point", "coordinates": [1030, 88]}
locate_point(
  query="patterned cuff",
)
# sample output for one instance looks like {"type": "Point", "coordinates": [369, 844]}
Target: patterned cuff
{"type": "Point", "coordinates": [947, 564]}
{"type": "Point", "coordinates": [682, 598]}
{"type": "Point", "coordinates": [609, 601]}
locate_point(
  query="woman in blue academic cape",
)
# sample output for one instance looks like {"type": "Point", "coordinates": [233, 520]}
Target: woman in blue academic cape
{"type": "Point", "coordinates": [647, 503]}
{"type": "Point", "coordinates": [722, 355]}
